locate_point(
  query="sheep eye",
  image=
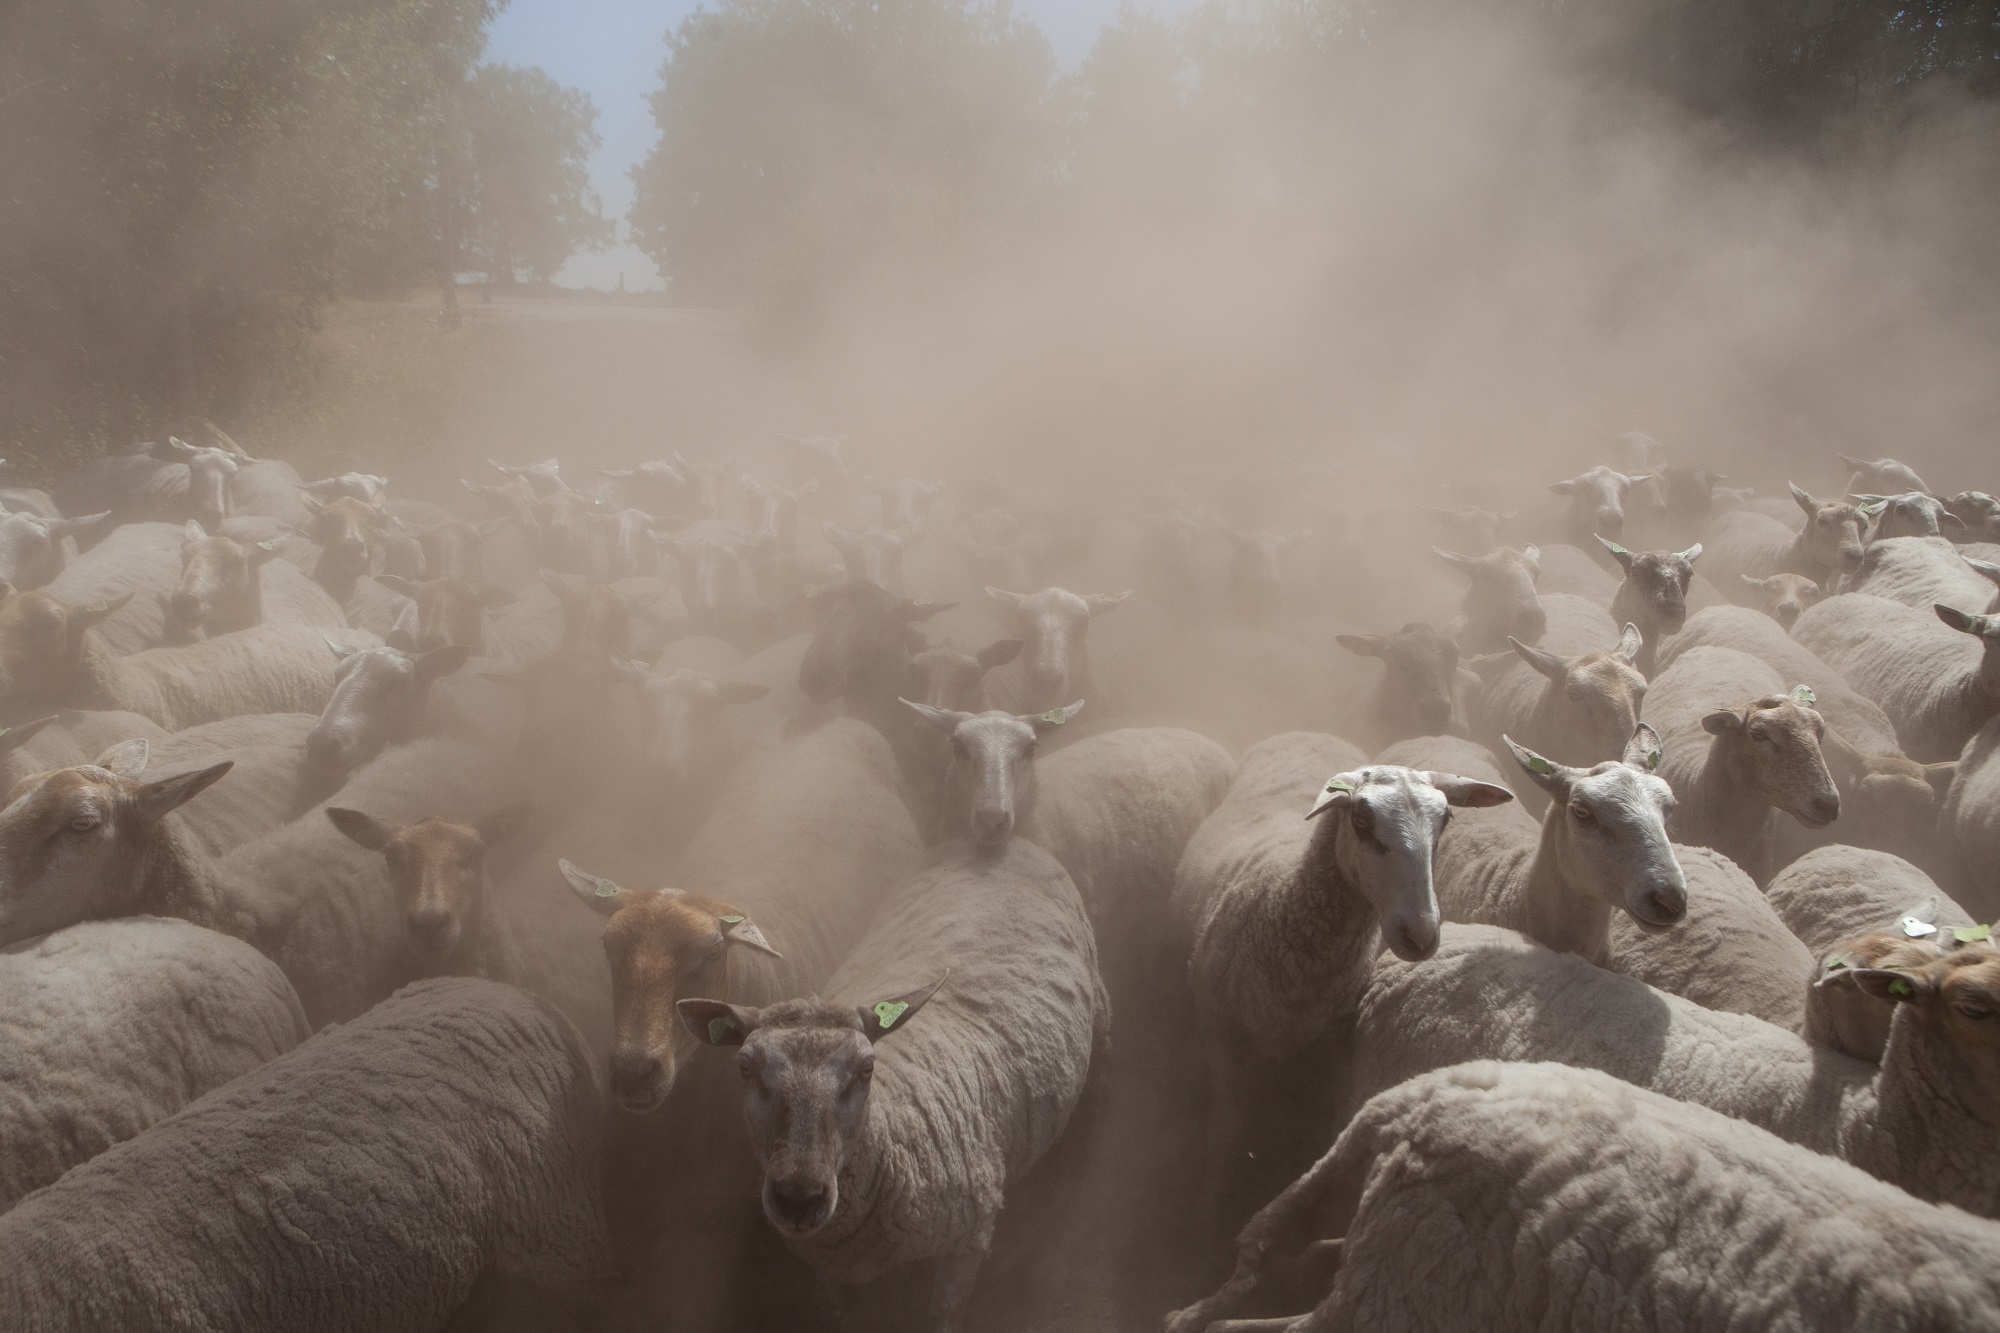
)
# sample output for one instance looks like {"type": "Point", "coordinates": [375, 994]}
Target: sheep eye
{"type": "Point", "coordinates": [1974, 1012]}
{"type": "Point", "coordinates": [865, 1070]}
{"type": "Point", "coordinates": [82, 824]}
{"type": "Point", "coordinates": [1582, 814]}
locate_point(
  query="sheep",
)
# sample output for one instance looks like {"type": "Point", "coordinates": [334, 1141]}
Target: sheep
{"type": "Point", "coordinates": [1833, 897]}
{"type": "Point", "coordinates": [1831, 543]}
{"type": "Point", "coordinates": [777, 511]}
{"type": "Point", "coordinates": [1970, 823]}
{"type": "Point", "coordinates": [463, 1110]}
{"type": "Point", "coordinates": [1476, 530]}
{"type": "Point", "coordinates": [890, 1118]}
{"type": "Point", "coordinates": [544, 479]}
{"type": "Point", "coordinates": [711, 582]}
{"type": "Point", "coordinates": [142, 559]}
{"type": "Point", "coordinates": [1937, 677]}
{"type": "Point", "coordinates": [1501, 602]}
{"type": "Point", "coordinates": [364, 486]}
{"type": "Point", "coordinates": [871, 555]}
{"type": "Point", "coordinates": [1575, 702]}
{"type": "Point", "coordinates": [1979, 512]}
{"type": "Point", "coordinates": [110, 1026]}
{"type": "Point", "coordinates": [1884, 474]}
{"type": "Point", "coordinates": [64, 740]}
{"type": "Point", "coordinates": [1513, 1197]}
{"type": "Point", "coordinates": [1422, 690]}
{"type": "Point", "coordinates": [1653, 596]}
{"type": "Point", "coordinates": [1597, 500]}
{"type": "Point", "coordinates": [1055, 664]}
{"type": "Point", "coordinates": [1782, 596]}
{"type": "Point", "coordinates": [1285, 914]}
{"type": "Point", "coordinates": [34, 549]}
{"type": "Point", "coordinates": [269, 489]}
{"type": "Point", "coordinates": [943, 677]}
{"type": "Point", "coordinates": [379, 698]}
{"type": "Point", "coordinates": [692, 733]}
{"type": "Point", "coordinates": [707, 482]}
{"type": "Point", "coordinates": [859, 655]}
{"type": "Point", "coordinates": [1256, 590]}
{"type": "Point", "coordinates": [1568, 570]}
{"type": "Point", "coordinates": [1735, 766]}
{"type": "Point", "coordinates": [906, 502]}
{"type": "Point", "coordinates": [1858, 719]}
{"type": "Point", "coordinates": [1922, 571]}
{"type": "Point", "coordinates": [1887, 802]}
{"type": "Point", "coordinates": [1921, 1121]}
{"type": "Point", "coordinates": [449, 612]}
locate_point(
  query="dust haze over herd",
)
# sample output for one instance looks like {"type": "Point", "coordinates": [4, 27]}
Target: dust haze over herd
{"type": "Point", "coordinates": [1147, 684]}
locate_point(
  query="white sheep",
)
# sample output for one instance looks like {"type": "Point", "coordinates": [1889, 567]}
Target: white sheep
{"type": "Point", "coordinates": [891, 1117]}
{"type": "Point", "coordinates": [1921, 1121]}
{"type": "Point", "coordinates": [1511, 1198]}
{"type": "Point", "coordinates": [1285, 910]}
{"type": "Point", "coordinates": [1859, 719]}
{"type": "Point", "coordinates": [1501, 600]}
{"type": "Point", "coordinates": [380, 698]}
{"type": "Point", "coordinates": [109, 1026]}
{"type": "Point", "coordinates": [1422, 690]}
{"type": "Point", "coordinates": [1936, 674]}
{"type": "Point", "coordinates": [1924, 571]}
{"type": "Point", "coordinates": [35, 549]}
{"type": "Point", "coordinates": [368, 1179]}
{"type": "Point", "coordinates": [142, 559]}
{"type": "Point", "coordinates": [1745, 542]}
{"type": "Point", "coordinates": [1970, 823]}
{"type": "Point", "coordinates": [1742, 746]}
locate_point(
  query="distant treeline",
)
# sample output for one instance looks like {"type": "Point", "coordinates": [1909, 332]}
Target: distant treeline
{"type": "Point", "coordinates": [185, 183]}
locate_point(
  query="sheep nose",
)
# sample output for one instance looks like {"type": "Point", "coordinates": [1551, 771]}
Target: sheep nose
{"type": "Point", "coordinates": [430, 927]}
{"type": "Point", "coordinates": [184, 608]}
{"type": "Point", "coordinates": [1413, 941]}
{"type": "Point", "coordinates": [1787, 613]}
{"type": "Point", "coordinates": [634, 1074]}
{"type": "Point", "coordinates": [1665, 906]}
{"type": "Point", "coordinates": [991, 824]}
{"type": "Point", "coordinates": [799, 1204]}
{"type": "Point", "coordinates": [1610, 520]}
{"type": "Point", "coordinates": [1435, 714]}
{"type": "Point", "coordinates": [1824, 808]}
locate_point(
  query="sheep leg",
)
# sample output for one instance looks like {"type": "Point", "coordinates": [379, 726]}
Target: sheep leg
{"type": "Point", "coordinates": [1281, 1325]}
{"type": "Point", "coordinates": [951, 1284]}
{"type": "Point", "coordinates": [1257, 1248]}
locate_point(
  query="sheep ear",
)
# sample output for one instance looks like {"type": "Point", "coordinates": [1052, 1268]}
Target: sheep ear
{"type": "Point", "coordinates": [1940, 776]}
{"type": "Point", "coordinates": [1986, 569]}
{"type": "Point", "coordinates": [1547, 774]}
{"type": "Point", "coordinates": [1100, 602]}
{"type": "Point", "coordinates": [1555, 668]}
{"type": "Point", "coordinates": [82, 618]}
{"type": "Point", "coordinates": [740, 929]}
{"type": "Point", "coordinates": [1464, 563]}
{"type": "Point", "coordinates": [1532, 556]}
{"type": "Point", "coordinates": [1978, 626]}
{"type": "Point", "coordinates": [717, 1022]}
{"type": "Point", "coordinates": [157, 799]}
{"type": "Point", "coordinates": [1563, 487]}
{"type": "Point", "coordinates": [1629, 644]}
{"type": "Point", "coordinates": [1950, 520]}
{"type": "Point", "coordinates": [999, 653]}
{"type": "Point", "coordinates": [1754, 581]}
{"type": "Point", "coordinates": [1469, 792]}
{"type": "Point", "coordinates": [1044, 723]}
{"type": "Point", "coordinates": [397, 584]}
{"type": "Point", "coordinates": [126, 760]}
{"type": "Point", "coordinates": [1804, 501]}
{"type": "Point", "coordinates": [341, 651]}
{"type": "Point", "coordinates": [1644, 750]}
{"type": "Point", "coordinates": [13, 738]}
{"type": "Point", "coordinates": [1336, 794]}
{"type": "Point", "coordinates": [601, 895]}
{"type": "Point", "coordinates": [505, 822]}
{"type": "Point", "coordinates": [878, 1020]}
{"type": "Point", "coordinates": [1722, 721]}
{"type": "Point", "coordinates": [192, 532]}
{"type": "Point", "coordinates": [740, 691]}
{"type": "Point", "coordinates": [316, 506]}
{"type": "Point", "coordinates": [944, 719]}
{"type": "Point", "coordinates": [1363, 645]}
{"type": "Point", "coordinates": [1618, 553]}
{"type": "Point", "coordinates": [1893, 986]}
{"type": "Point", "coordinates": [442, 661]}
{"type": "Point", "coordinates": [366, 830]}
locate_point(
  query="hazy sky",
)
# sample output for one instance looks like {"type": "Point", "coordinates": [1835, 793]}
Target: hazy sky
{"type": "Point", "coordinates": [612, 49]}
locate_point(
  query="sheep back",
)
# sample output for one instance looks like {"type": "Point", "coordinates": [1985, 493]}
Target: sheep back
{"type": "Point", "coordinates": [143, 559]}
{"type": "Point", "coordinates": [366, 1179]}
{"type": "Point", "coordinates": [1859, 719]}
{"type": "Point", "coordinates": [1920, 671]}
{"type": "Point", "coordinates": [1970, 822]}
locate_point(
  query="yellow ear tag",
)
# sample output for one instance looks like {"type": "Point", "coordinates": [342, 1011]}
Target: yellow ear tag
{"type": "Point", "coordinates": [1972, 934]}
{"type": "Point", "coordinates": [1056, 716]}
{"type": "Point", "coordinates": [888, 1011]}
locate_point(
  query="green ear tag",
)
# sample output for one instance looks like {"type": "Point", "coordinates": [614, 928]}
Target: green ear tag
{"type": "Point", "coordinates": [1840, 962]}
{"type": "Point", "coordinates": [1616, 549]}
{"type": "Point", "coordinates": [888, 1011]}
{"type": "Point", "coordinates": [1874, 509]}
{"type": "Point", "coordinates": [1056, 716]}
{"type": "Point", "coordinates": [719, 1027]}
{"type": "Point", "coordinates": [1804, 694]}
{"type": "Point", "coordinates": [606, 888]}
{"type": "Point", "coordinates": [1972, 934]}
{"type": "Point", "coordinates": [730, 920]}
{"type": "Point", "coordinates": [270, 545]}
{"type": "Point", "coordinates": [1537, 764]}
{"type": "Point", "coordinates": [1898, 986]}
{"type": "Point", "coordinates": [1338, 785]}
{"type": "Point", "coordinates": [98, 608]}
{"type": "Point", "coordinates": [1652, 760]}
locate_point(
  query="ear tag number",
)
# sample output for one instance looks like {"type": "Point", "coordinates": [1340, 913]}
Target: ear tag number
{"type": "Point", "coordinates": [1056, 716]}
{"type": "Point", "coordinates": [888, 1011]}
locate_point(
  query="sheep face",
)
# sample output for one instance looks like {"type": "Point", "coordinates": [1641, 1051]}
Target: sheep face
{"type": "Point", "coordinates": [1884, 474]}
{"type": "Point", "coordinates": [709, 483]}
{"type": "Point", "coordinates": [872, 555]}
{"type": "Point", "coordinates": [1599, 693]}
{"type": "Point", "coordinates": [72, 841]}
{"type": "Point", "coordinates": [1501, 602]}
{"type": "Point", "coordinates": [31, 547]}
{"type": "Point", "coordinates": [947, 678]}
{"type": "Point", "coordinates": [1955, 999]}
{"type": "Point", "coordinates": [1979, 512]}
{"type": "Point", "coordinates": [990, 777]}
{"type": "Point", "coordinates": [451, 550]}
{"type": "Point", "coordinates": [219, 583]}
{"type": "Point", "coordinates": [347, 531]}
{"type": "Point", "coordinates": [711, 581]}
{"type": "Point", "coordinates": [542, 479]}
{"type": "Point", "coordinates": [1609, 826]}
{"type": "Point", "coordinates": [1597, 499]}
{"type": "Point", "coordinates": [1771, 747]}
{"type": "Point", "coordinates": [450, 611]}
{"type": "Point", "coordinates": [860, 643]}
{"type": "Point", "coordinates": [1911, 515]}
{"type": "Point", "coordinates": [437, 869]}
{"type": "Point", "coordinates": [1654, 594]}
{"type": "Point", "coordinates": [1256, 571]}
{"type": "Point", "coordinates": [662, 945]}
{"type": "Point", "coordinates": [1054, 625]}
{"type": "Point", "coordinates": [513, 501]}
{"type": "Point", "coordinates": [39, 642]}
{"type": "Point", "coordinates": [209, 474]}
{"type": "Point", "coordinates": [1836, 533]}
{"type": "Point", "coordinates": [1384, 823]}
{"type": "Point", "coordinates": [596, 618]}
{"type": "Point", "coordinates": [1784, 597]}
{"type": "Point", "coordinates": [808, 1068]}
{"type": "Point", "coordinates": [685, 728]}
{"type": "Point", "coordinates": [1421, 675]}
{"type": "Point", "coordinates": [628, 538]}
{"type": "Point", "coordinates": [565, 528]}
{"type": "Point", "coordinates": [378, 699]}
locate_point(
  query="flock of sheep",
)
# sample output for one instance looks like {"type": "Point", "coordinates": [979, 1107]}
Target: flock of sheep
{"type": "Point", "coordinates": [739, 893]}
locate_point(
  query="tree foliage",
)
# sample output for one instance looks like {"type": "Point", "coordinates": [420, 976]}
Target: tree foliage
{"type": "Point", "coordinates": [529, 196]}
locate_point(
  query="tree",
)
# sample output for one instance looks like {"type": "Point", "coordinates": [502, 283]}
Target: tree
{"type": "Point", "coordinates": [801, 137]}
{"type": "Point", "coordinates": [529, 202]}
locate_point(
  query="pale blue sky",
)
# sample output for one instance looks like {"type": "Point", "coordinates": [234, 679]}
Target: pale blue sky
{"type": "Point", "coordinates": [612, 49]}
